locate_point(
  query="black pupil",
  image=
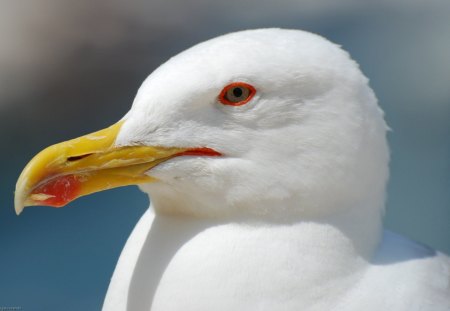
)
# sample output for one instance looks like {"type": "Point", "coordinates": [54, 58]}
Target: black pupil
{"type": "Point", "coordinates": [237, 92]}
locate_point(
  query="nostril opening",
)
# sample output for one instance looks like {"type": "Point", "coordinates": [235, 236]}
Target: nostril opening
{"type": "Point", "coordinates": [76, 158]}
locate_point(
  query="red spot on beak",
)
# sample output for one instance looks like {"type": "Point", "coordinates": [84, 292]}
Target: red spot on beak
{"type": "Point", "coordinates": [58, 191]}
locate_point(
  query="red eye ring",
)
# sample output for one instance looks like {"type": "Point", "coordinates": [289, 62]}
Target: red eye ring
{"type": "Point", "coordinates": [246, 91]}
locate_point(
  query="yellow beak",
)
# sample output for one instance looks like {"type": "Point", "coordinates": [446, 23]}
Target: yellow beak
{"type": "Point", "coordinates": [63, 172]}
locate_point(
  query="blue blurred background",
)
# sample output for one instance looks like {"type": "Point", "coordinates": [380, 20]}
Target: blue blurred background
{"type": "Point", "coordinates": [71, 67]}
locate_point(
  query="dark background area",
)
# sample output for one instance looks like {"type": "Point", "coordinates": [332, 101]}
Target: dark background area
{"type": "Point", "coordinates": [71, 67]}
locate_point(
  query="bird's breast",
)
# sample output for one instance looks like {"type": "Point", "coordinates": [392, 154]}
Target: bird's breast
{"type": "Point", "coordinates": [187, 264]}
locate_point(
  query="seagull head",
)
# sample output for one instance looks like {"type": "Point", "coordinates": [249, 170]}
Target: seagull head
{"type": "Point", "coordinates": [262, 122]}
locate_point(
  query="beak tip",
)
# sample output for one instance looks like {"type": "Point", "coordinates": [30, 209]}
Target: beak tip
{"type": "Point", "coordinates": [19, 202]}
{"type": "Point", "coordinates": [18, 207]}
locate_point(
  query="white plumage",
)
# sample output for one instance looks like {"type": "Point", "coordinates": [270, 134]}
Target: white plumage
{"type": "Point", "coordinates": [289, 218]}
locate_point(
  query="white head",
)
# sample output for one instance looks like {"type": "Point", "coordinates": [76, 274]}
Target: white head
{"type": "Point", "coordinates": [311, 141]}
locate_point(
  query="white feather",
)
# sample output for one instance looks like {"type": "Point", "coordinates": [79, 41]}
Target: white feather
{"type": "Point", "coordinates": [290, 217]}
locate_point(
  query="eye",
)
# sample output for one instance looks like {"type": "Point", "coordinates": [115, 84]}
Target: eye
{"type": "Point", "coordinates": [236, 94]}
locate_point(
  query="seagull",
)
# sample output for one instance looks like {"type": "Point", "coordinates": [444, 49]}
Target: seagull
{"type": "Point", "coordinates": [265, 157]}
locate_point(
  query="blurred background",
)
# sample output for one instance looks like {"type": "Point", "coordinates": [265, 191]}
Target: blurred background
{"type": "Point", "coordinates": [71, 67]}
